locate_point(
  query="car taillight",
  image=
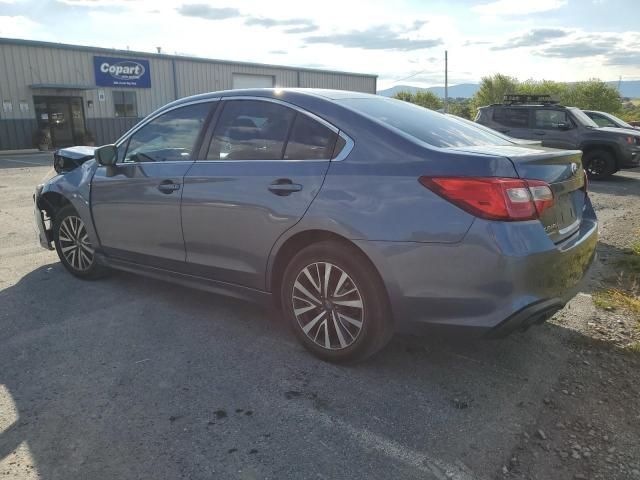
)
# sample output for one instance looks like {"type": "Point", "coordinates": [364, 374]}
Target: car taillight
{"type": "Point", "coordinates": [492, 198]}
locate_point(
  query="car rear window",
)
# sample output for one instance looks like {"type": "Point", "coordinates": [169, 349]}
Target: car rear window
{"type": "Point", "coordinates": [426, 125]}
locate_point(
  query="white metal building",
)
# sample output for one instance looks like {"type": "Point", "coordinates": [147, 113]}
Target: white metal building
{"type": "Point", "coordinates": [69, 91]}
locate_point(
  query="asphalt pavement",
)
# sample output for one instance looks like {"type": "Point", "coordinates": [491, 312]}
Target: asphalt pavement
{"type": "Point", "coordinates": [132, 378]}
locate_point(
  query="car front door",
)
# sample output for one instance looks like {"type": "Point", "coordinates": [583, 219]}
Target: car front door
{"type": "Point", "coordinates": [555, 128]}
{"type": "Point", "coordinates": [265, 163]}
{"type": "Point", "coordinates": [136, 203]}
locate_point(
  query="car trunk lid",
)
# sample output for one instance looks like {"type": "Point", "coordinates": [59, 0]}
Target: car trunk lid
{"type": "Point", "coordinates": [562, 170]}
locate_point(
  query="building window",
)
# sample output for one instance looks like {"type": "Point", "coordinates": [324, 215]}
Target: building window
{"type": "Point", "coordinates": [125, 104]}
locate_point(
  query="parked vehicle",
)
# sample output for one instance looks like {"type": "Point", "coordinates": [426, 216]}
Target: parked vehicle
{"type": "Point", "coordinates": [356, 213]}
{"type": "Point", "coordinates": [604, 119]}
{"type": "Point", "coordinates": [518, 141]}
{"type": "Point", "coordinates": [606, 150]}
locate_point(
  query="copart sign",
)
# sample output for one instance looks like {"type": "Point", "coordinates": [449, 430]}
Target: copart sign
{"type": "Point", "coordinates": [122, 72]}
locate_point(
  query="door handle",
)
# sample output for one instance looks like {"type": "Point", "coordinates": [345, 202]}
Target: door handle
{"type": "Point", "coordinates": [168, 186]}
{"type": "Point", "coordinates": [540, 133]}
{"type": "Point", "coordinates": [504, 130]}
{"type": "Point", "coordinates": [284, 187]}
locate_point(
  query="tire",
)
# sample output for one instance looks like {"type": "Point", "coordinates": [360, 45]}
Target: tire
{"type": "Point", "coordinates": [599, 164]}
{"type": "Point", "coordinates": [72, 244]}
{"type": "Point", "coordinates": [334, 327]}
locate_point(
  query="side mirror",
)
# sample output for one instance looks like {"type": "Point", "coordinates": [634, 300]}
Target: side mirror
{"type": "Point", "coordinates": [564, 126]}
{"type": "Point", "coordinates": [107, 155]}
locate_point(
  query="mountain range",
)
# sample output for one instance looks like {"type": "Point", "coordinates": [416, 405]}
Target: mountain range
{"type": "Point", "coordinates": [628, 88]}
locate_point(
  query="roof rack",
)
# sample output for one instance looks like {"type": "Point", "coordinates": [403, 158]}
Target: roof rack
{"type": "Point", "coordinates": [515, 99]}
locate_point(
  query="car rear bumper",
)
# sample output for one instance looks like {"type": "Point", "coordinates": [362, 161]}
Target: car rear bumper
{"type": "Point", "coordinates": [502, 276]}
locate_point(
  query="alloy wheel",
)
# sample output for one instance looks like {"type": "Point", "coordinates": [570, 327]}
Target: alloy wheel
{"type": "Point", "coordinates": [74, 243]}
{"type": "Point", "coordinates": [328, 306]}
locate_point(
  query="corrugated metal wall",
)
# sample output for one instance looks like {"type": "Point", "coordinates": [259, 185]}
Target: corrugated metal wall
{"type": "Point", "coordinates": [25, 63]}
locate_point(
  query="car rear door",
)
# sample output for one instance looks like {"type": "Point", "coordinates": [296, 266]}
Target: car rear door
{"type": "Point", "coordinates": [136, 203]}
{"type": "Point", "coordinates": [265, 164]}
{"type": "Point", "coordinates": [555, 128]}
{"type": "Point", "coordinates": [513, 121]}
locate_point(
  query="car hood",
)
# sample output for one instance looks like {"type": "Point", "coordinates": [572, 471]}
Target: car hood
{"type": "Point", "coordinates": [619, 130]}
{"type": "Point", "coordinates": [77, 153]}
{"type": "Point", "coordinates": [67, 159]}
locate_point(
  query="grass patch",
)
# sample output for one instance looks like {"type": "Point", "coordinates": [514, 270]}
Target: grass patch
{"type": "Point", "coordinates": [613, 298]}
{"type": "Point", "coordinates": [631, 263]}
{"type": "Point", "coordinates": [626, 293]}
{"type": "Point", "coordinates": [633, 348]}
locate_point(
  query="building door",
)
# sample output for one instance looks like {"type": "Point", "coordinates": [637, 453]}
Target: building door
{"type": "Point", "coordinates": [244, 80]}
{"type": "Point", "coordinates": [62, 117]}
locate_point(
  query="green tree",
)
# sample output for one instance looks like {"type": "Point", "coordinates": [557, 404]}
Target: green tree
{"type": "Point", "coordinates": [404, 96]}
{"type": "Point", "coordinates": [556, 90]}
{"type": "Point", "coordinates": [493, 89]}
{"type": "Point", "coordinates": [593, 95]}
{"type": "Point", "coordinates": [423, 98]}
{"type": "Point", "coordinates": [461, 107]}
{"type": "Point", "coordinates": [630, 111]}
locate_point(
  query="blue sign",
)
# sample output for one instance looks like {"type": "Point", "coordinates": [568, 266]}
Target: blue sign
{"type": "Point", "coordinates": [122, 72]}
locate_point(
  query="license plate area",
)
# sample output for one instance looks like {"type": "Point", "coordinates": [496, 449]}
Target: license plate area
{"type": "Point", "coordinates": [567, 217]}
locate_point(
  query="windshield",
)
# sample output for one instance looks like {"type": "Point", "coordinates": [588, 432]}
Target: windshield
{"type": "Point", "coordinates": [424, 124]}
{"type": "Point", "coordinates": [582, 118]}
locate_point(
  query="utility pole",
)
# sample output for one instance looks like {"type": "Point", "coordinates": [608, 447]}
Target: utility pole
{"type": "Point", "coordinates": [446, 82]}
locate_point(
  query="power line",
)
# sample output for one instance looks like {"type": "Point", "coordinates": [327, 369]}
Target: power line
{"type": "Point", "coordinates": [410, 76]}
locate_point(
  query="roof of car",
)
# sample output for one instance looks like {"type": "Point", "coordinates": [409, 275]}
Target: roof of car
{"type": "Point", "coordinates": [278, 92]}
{"type": "Point", "coordinates": [526, 105]}
{"type": "Point", "coordinates": [285, 94]}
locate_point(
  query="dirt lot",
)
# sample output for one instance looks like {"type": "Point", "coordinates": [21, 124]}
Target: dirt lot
{"type": "Point", "coordinates": [132, 378]}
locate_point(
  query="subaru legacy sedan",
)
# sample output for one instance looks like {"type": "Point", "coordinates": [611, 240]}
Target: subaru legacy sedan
{"type": "Point", "coordinates": [355, 214]}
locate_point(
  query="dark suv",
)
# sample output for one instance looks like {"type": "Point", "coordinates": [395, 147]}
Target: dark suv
{"type": "Point", "coordinates": [535, 117]}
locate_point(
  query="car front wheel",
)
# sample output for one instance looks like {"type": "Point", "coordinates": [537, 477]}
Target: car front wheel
{"type": "Point", "coordinates": [74, 248]}
{"type": "Point", "coordinates": [336, 302]}
{"type": "Point", "coordinates": [599, 164]}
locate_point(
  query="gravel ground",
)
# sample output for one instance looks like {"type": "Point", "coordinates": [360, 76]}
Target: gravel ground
{"type": "Point", "coordinates": [589, 427]}
{"type": "Point", "coordinates": [133, 378]}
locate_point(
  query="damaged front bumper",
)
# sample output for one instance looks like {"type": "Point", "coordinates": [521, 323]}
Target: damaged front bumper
{"type": "Point", "coordinates": [45, 236]}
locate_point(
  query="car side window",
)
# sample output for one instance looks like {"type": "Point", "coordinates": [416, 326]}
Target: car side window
{"type": "Point", "coordinates": [512, 117]}
{"type": "Point", "coordinates": [251, 130]}
{"type": "Point", "coordinates": [601, 120]}
{"type": "Point", "coordinates": [551, 119]}
{"type": "Point", "coordinates": [169, 137]}
{"type": "Point", "coordinates": [309, 140]}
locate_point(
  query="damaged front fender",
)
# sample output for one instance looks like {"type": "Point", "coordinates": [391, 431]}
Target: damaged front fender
{"type": "Point", "coordinates": [73, 187]}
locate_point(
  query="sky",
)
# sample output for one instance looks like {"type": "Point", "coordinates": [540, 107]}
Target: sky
{"type": "Point", "coordinates": [402, 41]}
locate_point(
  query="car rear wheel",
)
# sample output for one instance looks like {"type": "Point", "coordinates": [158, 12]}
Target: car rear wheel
{"type": "Point", "coordinates": [599, 164]}
{"type": "Point", "coordinates": [74, 248]}
{"type": "Point", "coordinates": [336, 302]}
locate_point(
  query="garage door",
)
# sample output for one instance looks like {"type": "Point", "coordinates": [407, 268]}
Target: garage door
{"type": "Point", "coordinates": [243, 80]}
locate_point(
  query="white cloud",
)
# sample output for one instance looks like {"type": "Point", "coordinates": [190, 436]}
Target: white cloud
{"type": "Point", "coordinates": [512, 8]}
{"type": "Point", "coordinates": [145, 24]}
{"type": "Point", "coordinates": [17, 27]}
